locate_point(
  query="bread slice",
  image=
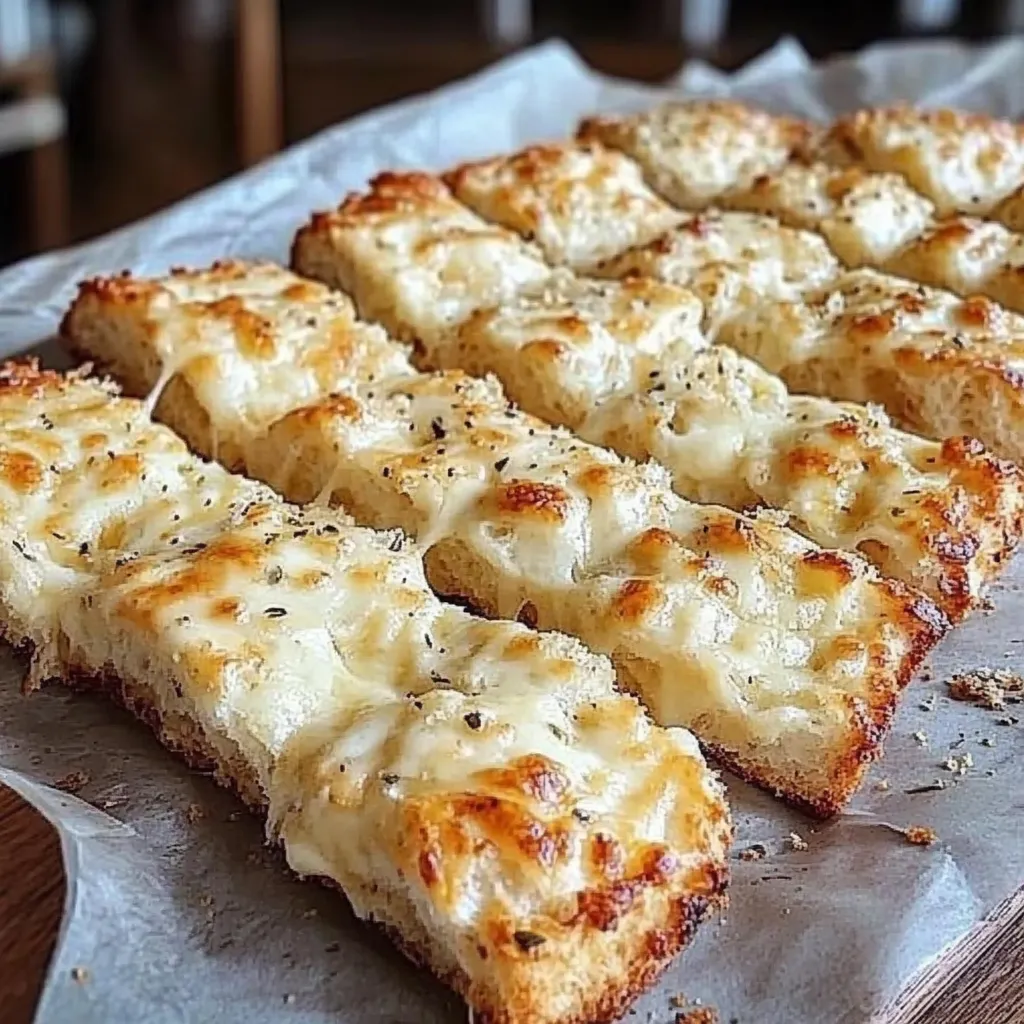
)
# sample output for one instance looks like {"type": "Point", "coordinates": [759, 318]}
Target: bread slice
{"type": "Point", "coordinates": [964, 163]}
{"type": "Point", "coordinates": [732, 261]}
{"type": "Point", "coordinates": [968, 256]}
{"type": "Point", "coordinates": [866, 218]}
{"type": "Point", "coordinates": [479, 789]}
{"type": "Point", "coordinates": [579, 203]}
{"type": "Point", "coordinates": [877, 220]}
{"type": "Point", "coordinates": [788, 660]}
{"type": "Point", "coordinates": [83, 481]}
{"type": "Point", "coordinates": [397, 248]}
{"type": "Point", "coordinates": [607, 359]}
{"type": "Point", "coordinates": [562, 350]}
{"type": "Point", "coordinates": [942, 366]}
{"type": "Point", "coordinates": [693, 151]}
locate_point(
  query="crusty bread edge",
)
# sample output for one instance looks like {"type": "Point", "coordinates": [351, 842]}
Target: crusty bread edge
{"type": "Point", "coordinates": [655, 928]}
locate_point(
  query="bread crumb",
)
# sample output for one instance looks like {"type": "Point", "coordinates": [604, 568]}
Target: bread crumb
{"type": "Point", "coordinates": [985, 686]}
{"type": "Point", "coordinates": [920, 835]}
{"type": "Point", "coordinates": [928, 704]}
{"type": "Point", "coordinates": [797, 842]}
{"type": "Point", "coordinates": [882, 785]}
{"type": "Point", "coordinates": [754, 852]}
{"type": "Point", "coordinates": [958, 765]}
{"type": "Point", "coordinates": [194, 813]}
{"type": "Point", "coordinates": [72, 782]}
{"type": "Point", "coordinates": [698, 1015]}
{"type": "Point", "coordinates": [987, 741]}
{"type": "Point", "coordinates": [922, 738]}
{"type": "Point", "coordinates": [80, 975]}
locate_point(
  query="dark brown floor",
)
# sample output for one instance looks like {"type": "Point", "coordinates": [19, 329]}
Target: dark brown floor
{"type": "Point", "coordinates": [152, 113]}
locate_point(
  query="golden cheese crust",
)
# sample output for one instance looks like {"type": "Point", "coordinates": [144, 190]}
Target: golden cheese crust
{"type": "Point", "coordinates": [964, 163]}
{"type": "Point", "coordinates": [523, 518]}
{"type": "Point", "coordinates": [481, 789]}
{"type": "Point", "coordinates": [865, 217]}
{"type": "Point", "coordinates": [413, 258]}
{"type": "Point", "coordinates": [1011, 210]}
{"type": "Point", "coordinates": [941, 365]}
{"type": "Point", "coordinates": [694, 151]}
{"type": "Point", "coordinates": [580, 203]}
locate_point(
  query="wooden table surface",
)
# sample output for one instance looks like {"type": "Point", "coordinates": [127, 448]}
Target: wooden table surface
{"type": "Point", "coordinates": [980, 981]}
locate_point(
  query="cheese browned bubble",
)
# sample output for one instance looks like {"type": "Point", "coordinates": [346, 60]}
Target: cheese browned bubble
{"type": "Point", "coordinates": [786, 658]}
{"type": "Point", "coordinates": [480, 789]}
{"type": "Point", "coordinates": [693, 151]}
{"type": "Point", "coordinates": [580, 203]}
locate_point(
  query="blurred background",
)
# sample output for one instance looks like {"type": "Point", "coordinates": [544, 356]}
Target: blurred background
{"type": "Point", "coordinates": [112, 109]}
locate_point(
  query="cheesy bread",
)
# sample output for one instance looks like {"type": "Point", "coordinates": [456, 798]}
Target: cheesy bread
{"type": "Point", "coordinates": [609, 360]}
{"type": "Point", "coordinates": [580, 203]}
{"type": "Point", "coordinates": [964, 163]}
{"type": "Point", "coordinates": [787, 659]}
{"type": "Point", "coordinates": [865, 217]}
{"type": "Point", "coordinates": [479, 789]}
{"type": "Point", "coordinates": [876, 220]}
{"type": "Point", "coordinates": [692, 152]}
{"type": "Point", "coordinates": [941, 365]}
{"type": "Point", "coordinates": [398, 249]}
{"type": "Point", "coordinates": [732, 261]}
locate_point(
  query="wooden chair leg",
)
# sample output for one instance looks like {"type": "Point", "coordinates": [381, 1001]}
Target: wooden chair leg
{"type": "Point", "coordinates": [48, 170]}
{"type": "Point", "coordinates": [258, 79]}
{"type": "Point", "coordinates": [49, 184]}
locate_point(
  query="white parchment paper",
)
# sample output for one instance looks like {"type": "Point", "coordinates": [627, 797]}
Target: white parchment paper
{"type": "Point", "coordinates": [176, 911]}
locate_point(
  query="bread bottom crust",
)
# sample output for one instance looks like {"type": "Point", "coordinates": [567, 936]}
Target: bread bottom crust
{"type": "Point", "coordinates": [654, 948]}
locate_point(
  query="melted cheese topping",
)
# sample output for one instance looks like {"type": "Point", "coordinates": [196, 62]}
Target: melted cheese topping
{"type": "Point", "coordinates": [692, 152]}
{"type": "Point", "coordinates": [579, 203]}
{"type": "Point", "coordinates": [732, 261]}
{"type": "Point", "coordinates": [730, 433]}
{"type": "Point", "coordinates": [489, 777]}
{"type": "Point", "coordinates": [561, 350]}
{"type": "Point", "coordinates": [414, 258]}
{"type": "Point", "coordinates": [968, 256]}
{"type": "Point", "coordinates": [865, 217]}
{"type": "Point", "coordinates": [964, 163]}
